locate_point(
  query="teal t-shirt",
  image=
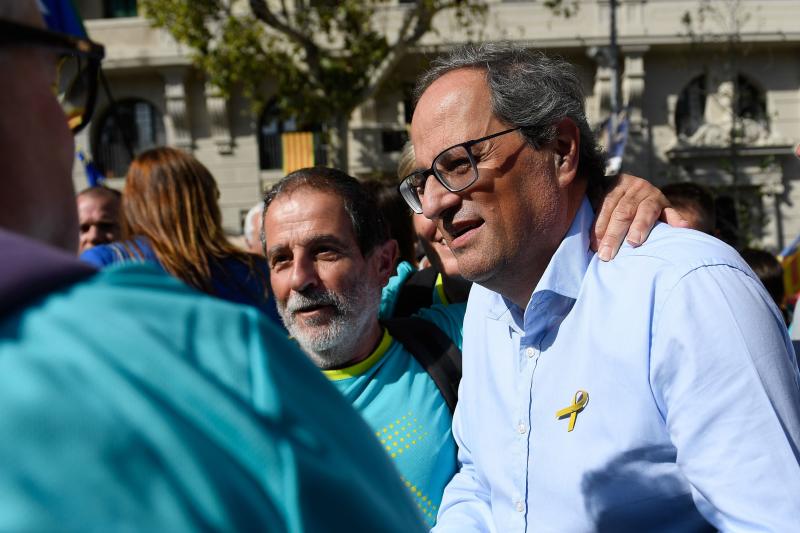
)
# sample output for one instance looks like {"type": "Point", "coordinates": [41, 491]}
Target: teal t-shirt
{"type": "Point", "coordinates": [130, 402]}
{"type": "Point", "coordinates": [406, 411]}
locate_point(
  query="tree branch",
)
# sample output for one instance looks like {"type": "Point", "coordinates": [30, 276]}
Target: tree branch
{"type": "Point", "coordinates": [263, 13]}
{"type": "Point", "coordinates": [421, 17]}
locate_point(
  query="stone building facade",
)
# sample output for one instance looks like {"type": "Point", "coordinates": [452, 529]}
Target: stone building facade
{"type": "Point", "coordinates": [688, 90]}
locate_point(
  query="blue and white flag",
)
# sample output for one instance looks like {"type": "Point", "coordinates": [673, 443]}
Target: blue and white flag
{"type": "Point", "coordinates": [61, 16]}
{"type": "Point", "coordinates": [93, 176]}
{"type": "Point", "coordinates": [615, 141]}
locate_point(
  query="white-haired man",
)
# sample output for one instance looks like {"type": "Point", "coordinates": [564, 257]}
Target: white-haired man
{"type": "Point", "coordinates": [252, 228]}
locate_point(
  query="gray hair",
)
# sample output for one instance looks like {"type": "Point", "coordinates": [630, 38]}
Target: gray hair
{"type": "Point", "coordinates": [251, 232]}
{"type": "Point", "coordinates": [369, 224]}
{"type": "Point", "coordinates": [528, 90]}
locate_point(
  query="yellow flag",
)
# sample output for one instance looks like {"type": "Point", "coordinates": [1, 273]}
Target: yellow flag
{"type": "Point", "coordinates": [298, 150]}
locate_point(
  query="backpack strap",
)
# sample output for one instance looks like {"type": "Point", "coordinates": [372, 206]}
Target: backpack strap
{"type": "Point", "coordinates": [416, 293]}
{"type": "Point", "coordinates": [433, 350]}
{"type": "Point", "coordinates": [30, 269]}
{"type": "Point", "coordinates": [457, 289]}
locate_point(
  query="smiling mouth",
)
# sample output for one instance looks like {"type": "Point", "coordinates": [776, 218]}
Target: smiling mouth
{"type": "Point", "coordinates": [460, 230]}
{"type": "Point", "coordinates": [312, 308]}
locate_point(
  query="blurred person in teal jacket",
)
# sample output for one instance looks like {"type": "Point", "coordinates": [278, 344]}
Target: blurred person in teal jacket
{"type": "Point", "coordinates": [129, 401]}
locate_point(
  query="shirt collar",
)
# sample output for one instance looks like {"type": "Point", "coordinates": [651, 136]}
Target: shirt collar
{"type": "Point", "coordinates": [362, 366]}
{"type": "Point", "coordinates": [565, 271]}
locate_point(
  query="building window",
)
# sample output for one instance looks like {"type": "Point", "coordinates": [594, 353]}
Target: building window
{"type": "Point", "coordinates": [750, 102]}
{"type": "Point", "coordinates": [129, 128]}
{"type": "Point", "coordinates": [119, 8]}
{"type": "Point", "coordinates": [691, 108]}
{"type": "Point", "coordinates": [271, 129]}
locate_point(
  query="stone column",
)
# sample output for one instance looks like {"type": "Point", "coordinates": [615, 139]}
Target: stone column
{"type": "Point", "coordinates": [178, 127]}
{"type": "Point", "coordinates": [633, 84]}
{"type": "Point", "coordinates": [219, 120]}
{"type": "Point", "coordinates": [602, 93]}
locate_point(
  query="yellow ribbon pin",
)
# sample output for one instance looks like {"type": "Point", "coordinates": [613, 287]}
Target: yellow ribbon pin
{"type": "Point", "coordinates": [580, 401]}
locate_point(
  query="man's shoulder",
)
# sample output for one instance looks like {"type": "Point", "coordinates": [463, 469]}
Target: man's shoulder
{"type": "Point", "coordinates": [136, 308]}
{"type": "Point", "coordinates": [133, 302]}
{"type": "Point", "coordinates": [676, 252]}
{"type": "Point", "coordinates": [137, 280]}
{"type": "Point", "coordinates": [99, 256]}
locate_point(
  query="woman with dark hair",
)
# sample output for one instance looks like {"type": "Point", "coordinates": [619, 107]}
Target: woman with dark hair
{"type": "Point", "coordinates": [171, 218]}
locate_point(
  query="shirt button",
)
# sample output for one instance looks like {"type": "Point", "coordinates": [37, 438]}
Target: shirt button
{"type": "Point", "coordinates": [530, 352]}
{"type": "Point", "coordinates": [522, 428]}
{"type": "Point", "coordinates": [520, 507]}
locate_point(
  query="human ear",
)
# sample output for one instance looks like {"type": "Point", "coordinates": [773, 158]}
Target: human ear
{"type": "Point", "coordinates": [383, 259]}
{"type": "Point", "coordinates": [566, 151]}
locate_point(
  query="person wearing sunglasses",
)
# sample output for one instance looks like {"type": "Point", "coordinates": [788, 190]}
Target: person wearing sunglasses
{"type": "Point", "coordinates": [655, 392]}
{"type": "Point", "coordinates": [129, 401]}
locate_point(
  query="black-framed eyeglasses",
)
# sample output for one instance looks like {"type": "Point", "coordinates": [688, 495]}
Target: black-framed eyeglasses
{"type": "Point", "coordinates": [78, 67]}
{"type": "Point", "coordinates": [455, 168]}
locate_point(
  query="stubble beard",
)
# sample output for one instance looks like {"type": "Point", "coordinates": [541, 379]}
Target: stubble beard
{"type": "Point", "coordinates": [331, 342]}
{"type": "Point", "coordinates": [481, 264]}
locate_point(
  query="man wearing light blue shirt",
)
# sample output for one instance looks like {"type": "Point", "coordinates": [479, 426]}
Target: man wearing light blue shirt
{"type": "Point", "coordinates": [657, 392]}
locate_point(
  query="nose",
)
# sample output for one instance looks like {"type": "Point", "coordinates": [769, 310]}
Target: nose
{"type": "Point", "coordinates": [98, 236]}
{"type": "Point", "coordinates": [304, 275]}
{"type": "Point", "coordinates": [436, 199]}
{"type": "Point", "coordinates": [92, 236]}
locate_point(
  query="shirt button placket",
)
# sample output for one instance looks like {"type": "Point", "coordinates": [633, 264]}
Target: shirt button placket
{"type": "Point", "coordinates": [528, 359]}
{"type": "Point", "coordinates": [524, 429]}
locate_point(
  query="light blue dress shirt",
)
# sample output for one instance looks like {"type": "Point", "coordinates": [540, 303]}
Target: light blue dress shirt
{"type": "Point", "coordinates": [693, 414]}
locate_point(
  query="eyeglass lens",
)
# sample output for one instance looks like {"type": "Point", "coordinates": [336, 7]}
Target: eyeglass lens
{"type": "Point", "coordinates": [456, 168]}
{"type": "Point", "coordinates": [408, 190]}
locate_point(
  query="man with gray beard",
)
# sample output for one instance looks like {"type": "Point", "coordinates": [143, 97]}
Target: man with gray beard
{"type": "Point", "coordinates": [331, 344]}
{"type": "Point", "coordinates": [330, 254]}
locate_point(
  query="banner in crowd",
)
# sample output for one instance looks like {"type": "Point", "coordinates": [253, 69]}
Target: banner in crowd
{"type": "Point", "coordinates": [298, 150]}
{"type": "Point", "coordinates": [61, 16]}
{"type": "Point", "coordinates": [790, 259]}
{"type": "Point", "coordinates": [614, 142]}
{"type": "Point", "coordinates": [93, 176]}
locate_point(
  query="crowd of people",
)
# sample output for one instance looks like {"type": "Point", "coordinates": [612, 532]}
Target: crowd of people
{"type": "Point", "coordinates": [504, 339]}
